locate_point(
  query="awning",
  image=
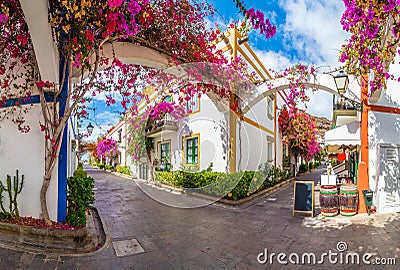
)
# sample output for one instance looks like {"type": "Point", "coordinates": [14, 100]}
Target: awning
{"type": "Point", "coordinates": [346, 136]}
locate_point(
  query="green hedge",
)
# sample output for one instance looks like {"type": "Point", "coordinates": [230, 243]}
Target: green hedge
{"type": "Point", "coordinates": [79, 197]}
{"type": "Point", "coordinates": [123, 169]}
{"type": "Point", "coordinates": [232, 186]}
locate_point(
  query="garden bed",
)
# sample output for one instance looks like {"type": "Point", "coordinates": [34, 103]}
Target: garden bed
{"type": "Point", "coordinates": [222, 200]}
{"type": "Point", "coordinates": [230, 187]}
{"type": "Point", "coordinates": [33, 235]}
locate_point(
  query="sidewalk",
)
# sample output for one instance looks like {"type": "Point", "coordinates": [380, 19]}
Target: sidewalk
{"type": "Point", "coordinates": [146, 234]}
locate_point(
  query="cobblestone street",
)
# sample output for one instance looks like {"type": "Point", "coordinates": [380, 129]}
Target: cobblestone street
{"type": "Point", "coordinates": [146, 234]}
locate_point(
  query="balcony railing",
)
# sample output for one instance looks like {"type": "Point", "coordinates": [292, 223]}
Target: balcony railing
{"type": "Point", "coordinates": [343, 114]}
{"type": "Point", "coordinates": [166, 124]}
{"type": "Point", "coordinates": [344, 107]}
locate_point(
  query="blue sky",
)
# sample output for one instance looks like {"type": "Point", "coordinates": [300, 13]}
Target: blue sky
{"type": "Point", "coordinates": [308, 31]}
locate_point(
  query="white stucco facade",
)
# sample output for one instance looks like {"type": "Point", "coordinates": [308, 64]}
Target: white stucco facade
{"type": "Point", "coordinates": [384, 148]}
{"type": "Point", "coordinates": [25, 152]}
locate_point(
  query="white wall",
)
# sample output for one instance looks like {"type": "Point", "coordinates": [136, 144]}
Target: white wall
{"type": "Point", "coordinates": [254, 140]}
{"type": "Point", "coordinates": [384, 129]}
{"type": "Point", "coordinates": [213, 128]}
{"type": "Point", "coordinates": [25, 152]}
{"type": "Point", "coordinates": [252, 151]}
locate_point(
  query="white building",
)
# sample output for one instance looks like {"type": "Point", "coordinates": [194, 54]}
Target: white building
{"type": "Point", "coordinates": [212, 134]}
{"type": "Point", "coordinates": [384, 144]}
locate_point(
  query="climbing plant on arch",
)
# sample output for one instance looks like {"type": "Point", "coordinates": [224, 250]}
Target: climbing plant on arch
{"type": "Point", "coordinates": [374, 26]}
{"type": "Point", "coordinates": [299, 133]}
{"type": "Point", "coordinates": [174, 28]}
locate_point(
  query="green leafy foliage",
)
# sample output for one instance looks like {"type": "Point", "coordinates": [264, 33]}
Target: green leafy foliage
{"type": "Point", "coordinates": [79, 197]}
{"type": "Point", "coordinates": [248, 182]}
{"type": "Point", "coordinates": [124, 169]}
{"type": "Point", "coordinates": [79, 172]}
{"type": "Point", "coordinates": [109, 167]}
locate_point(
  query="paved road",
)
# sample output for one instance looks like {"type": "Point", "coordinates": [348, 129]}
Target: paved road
{"type": "Point", "coordinates": [217, 237]}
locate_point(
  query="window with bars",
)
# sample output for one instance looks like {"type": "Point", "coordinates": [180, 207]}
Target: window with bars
{"type": "Point", "coordinates": [192, 105]}
{"type": "Point", "coordinates": [192, 150]}
{"type": "Point", "coordinates": [165, 156]}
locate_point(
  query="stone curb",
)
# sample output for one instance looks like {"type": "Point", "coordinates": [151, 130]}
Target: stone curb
{"type": "Point", "coordinates": [212, 198]}
{"type": "Point", "coordinates": [23, 238]}
{"type": "Point", "coordinates": [130, 177]}
{"type": "Point", "coordinates": [244, 200]}
{"type": "Point", "coordinates": [221, 200]}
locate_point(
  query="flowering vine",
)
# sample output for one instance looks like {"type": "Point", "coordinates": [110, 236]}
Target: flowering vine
{"type": "Point", "coordinates": [257, 19]}
{"type": "Point", "coordinates": [81, 28]}
{"type": "Point", "coordinates": [299, 133]}
{"type": "Point", "coordinates": [297, 77]}
{"type": "Point", "coordinates": [17, 68]}
{"type": "Point", "coordinates": [107, 149]}
{"type": "Point", "coordinates": [375, 32]}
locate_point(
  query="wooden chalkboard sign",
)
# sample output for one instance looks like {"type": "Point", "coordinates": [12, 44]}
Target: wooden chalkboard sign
{"type": "Point", "coordinates": [303, 200]}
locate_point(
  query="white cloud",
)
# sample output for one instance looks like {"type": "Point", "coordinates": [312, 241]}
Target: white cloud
{"type": "Point", "coordinates": [320, 104]}
{"type": "Point", "coordinates": [273, 60]}
{"type": "Point", "coordinates": [111, 117]}
{"type": "Point", "coordinates": [313, 29]}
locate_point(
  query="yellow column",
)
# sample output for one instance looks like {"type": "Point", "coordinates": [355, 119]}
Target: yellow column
{"type": "Point", "coordinates": [232, 114]}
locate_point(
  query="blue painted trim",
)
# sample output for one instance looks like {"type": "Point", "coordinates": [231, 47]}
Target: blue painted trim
{"type": "Point", "coordinates": [24, 101]}
{"type": "Point", "coordinates": [63, 156]}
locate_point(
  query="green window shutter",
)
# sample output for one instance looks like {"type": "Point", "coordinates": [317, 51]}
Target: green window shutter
{"type": "Point", "coordinates": [192, 150]}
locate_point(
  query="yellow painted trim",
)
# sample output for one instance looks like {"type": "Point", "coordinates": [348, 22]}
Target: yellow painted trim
{"type": "Point", "coordinates": [142, 103]}
{"type": "Point", "coordinates": [142, 106]}
{"type": "Point", "coordinates": [251, 62]}
{"type": "Point", "coordinates": [257, 59]}
{"type": "Point", "coordinates": [232, 115]}
{"type": "Point", "coordinates": [198, 149]}
{"type": "Point", "coordinates": [226, 48]}
{"type": "Point", "coordinates": [257, 125]}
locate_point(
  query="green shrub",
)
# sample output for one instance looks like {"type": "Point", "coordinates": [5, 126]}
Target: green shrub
{"type": "Point", "coordinates": [232, 186]}
{"type": "Point", "coordinates": [123, 169]}
{"type": "Point", "coordinates": [109, 167]}
{"type": "Point", "coordinates": [79, 172]}
{"type": "Point", "coordinates": [101, 166]}
{"type": "Point", "coordinates": [79, 198]}
{"type": "Point", "coordinates": [169, 178]}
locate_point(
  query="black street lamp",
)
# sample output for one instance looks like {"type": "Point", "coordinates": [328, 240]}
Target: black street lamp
{"type": "Point", "coordinates": [341, 81]}
{"type": "Point", "coordinates": [90, 128]}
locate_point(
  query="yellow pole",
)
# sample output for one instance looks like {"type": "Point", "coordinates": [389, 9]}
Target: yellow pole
{"type": "Point", "coordinates": [232, 114]}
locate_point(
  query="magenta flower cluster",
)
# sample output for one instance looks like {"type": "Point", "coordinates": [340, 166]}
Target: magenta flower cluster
{"type": "Point", "coordinates": [107, 148]}
{"type": "Point", "coordinates": [374, 28]}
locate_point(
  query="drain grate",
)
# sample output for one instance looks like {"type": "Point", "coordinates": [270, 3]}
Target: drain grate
{"type": "Point", "coordinates": [127, 247]}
